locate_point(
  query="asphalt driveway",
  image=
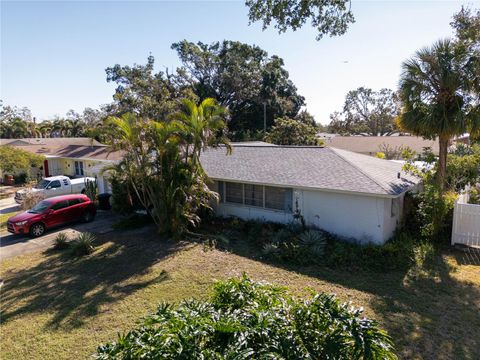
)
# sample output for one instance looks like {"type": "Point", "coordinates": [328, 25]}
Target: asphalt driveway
{"type": "Point", "coordinates": [13, 245]}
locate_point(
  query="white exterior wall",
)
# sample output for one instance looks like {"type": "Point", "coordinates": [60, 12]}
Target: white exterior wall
{"type": "Point", "coordinates": [365, 218]}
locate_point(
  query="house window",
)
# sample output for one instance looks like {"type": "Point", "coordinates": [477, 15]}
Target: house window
{"type": "Point", "coordinates": [79, 168]}
{"type": "Point", "coordinates": [221, 190]}
{"type": "Point", "coordinates": [253, 195]}
{"type": "Point", "coordinates": [278, 198]}
{"type": "Point", "coordinates": [395, 209]}
{"type": "Point", "coordinates": [267, 197]}
{"type": "Point", "coordinates": [234, 193]}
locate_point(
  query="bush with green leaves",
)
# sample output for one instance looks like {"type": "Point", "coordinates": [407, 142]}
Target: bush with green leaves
{"type": "Point", "coordinates": [61, 241]}
{"type": "Point", "coordinates": [244, 319]}
{"type": "Point", "coordinates": [291, 244]}
{"type": "Point", "coordinates": [396, 254]}
{"type": "Point", "coordinates": [434, 213]}
{"type": "Point", "coordinates": [83, 245]}
{"type": "Point", "coordinates": [91, 189]}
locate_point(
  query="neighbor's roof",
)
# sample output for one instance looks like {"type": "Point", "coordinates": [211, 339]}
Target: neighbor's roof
{"type": "Point", "coordinates": [372, 144]}
{"type": "Point", "coordinates": [307, 167]}
{"type": "Point", "coordinates": [77, 148]}
{"type": "Point", "coordinates": [51, 142]}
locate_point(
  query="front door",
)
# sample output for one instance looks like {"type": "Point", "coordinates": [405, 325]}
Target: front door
{"type": "Point", "coordinates": [45, 168]}
{"type": "Point", "coordinates": [79, 168]}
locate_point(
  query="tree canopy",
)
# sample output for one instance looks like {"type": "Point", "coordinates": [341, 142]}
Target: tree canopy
{"type": "Point", "coordinates": [466, 24]}
{"type": "Point", "coordinates": [143, 92]}
{"type": "Point", "coordinates": [287, 131]}
{"type": "Point", "coordinates": [367, 112]}
{"type": "Point", "coordinates": [328, 17]}
{"type": "Point", "coordinates": [242, 78]}
{"type": "Point", "coordinates": [17, 161]}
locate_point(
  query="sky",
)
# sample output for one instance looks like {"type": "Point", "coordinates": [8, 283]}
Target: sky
{"type": "Point", "coordinates": [54, 54]}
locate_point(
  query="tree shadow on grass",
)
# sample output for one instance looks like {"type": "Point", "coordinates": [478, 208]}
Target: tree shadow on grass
{"type": "Point", "coordinates": [77, 288]}
{"type": "Point", "coordinates": [428, 312]}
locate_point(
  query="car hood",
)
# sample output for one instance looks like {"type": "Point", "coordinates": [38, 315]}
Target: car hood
{"type": "Point", "coordinates": [22, 217]}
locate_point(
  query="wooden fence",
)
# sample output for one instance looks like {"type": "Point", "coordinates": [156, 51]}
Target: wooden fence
{"type": "Point", "coordinates": [466, 222]}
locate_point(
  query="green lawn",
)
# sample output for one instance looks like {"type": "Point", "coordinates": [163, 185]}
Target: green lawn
{"type": "Point", "coordinates": [55, 307]}
{"type": "Point", "coordinates": [5, 217]}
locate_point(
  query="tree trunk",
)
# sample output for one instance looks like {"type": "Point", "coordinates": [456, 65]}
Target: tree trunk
{"type": "Point", "coordinates": [442, 160]}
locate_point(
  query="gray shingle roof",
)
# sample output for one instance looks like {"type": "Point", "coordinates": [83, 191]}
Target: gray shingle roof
{"type": "Point", "coordinates": [307, 167]}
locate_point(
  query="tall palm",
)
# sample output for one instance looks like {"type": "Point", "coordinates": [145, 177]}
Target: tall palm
{"type": "Point", "coordinates": [45, 128]}
{"type": "Point", "coordinates": [204, 126]}
{"type": "Point", "coordinates": [438, 88]}
{"type": "Point", "coordinates": [18, 128]}
{"type": "Point", "coordinates": [74, 127]}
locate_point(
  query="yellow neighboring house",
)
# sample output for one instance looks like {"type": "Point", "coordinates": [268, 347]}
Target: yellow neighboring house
{"type": "Point", "coordinates": [74, 157]}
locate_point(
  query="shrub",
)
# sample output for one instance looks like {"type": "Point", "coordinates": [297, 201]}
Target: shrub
{"type": "Point", "coordinates": [396, 254]}
{"type": "Point", "coordinates": [124, 199]}
{"type": "Point", "coordinates": [434, 213]}
{"type": "Point", "coordinates": [249, 320]}
{"type": "Point", "coordinates": [60, 242]}
{"type": "Point", "coordinates": [30, 199]}
{"type": "Point", "coordinates": [83, 244]}
{"type": "Point", "coordinates": [91, 189]}
{"type": "Point", "coordinates": [313, 242]}
{"type": "Point", "coordinates": [21, 178]}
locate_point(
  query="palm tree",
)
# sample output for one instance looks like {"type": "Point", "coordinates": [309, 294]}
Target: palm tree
{"type": "Point", "coordinates": [438, 88]}
{"type": "Point", "coordinates": [45, 128]}
{"type": "Point", "coordinates": [204, 126]}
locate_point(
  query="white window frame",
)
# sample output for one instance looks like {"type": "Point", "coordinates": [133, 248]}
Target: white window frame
{"type": "Point", "coordinates": [263, 207]}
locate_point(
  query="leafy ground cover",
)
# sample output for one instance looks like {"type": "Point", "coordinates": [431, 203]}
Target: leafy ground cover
{"type": "Point", "coordinates": [56, 306]}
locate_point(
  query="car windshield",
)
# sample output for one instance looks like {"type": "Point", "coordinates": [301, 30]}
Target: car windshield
{"type": "Point", "coordinates": [40, 207]}
{"type": "Point", "coordinates": [42, 184]}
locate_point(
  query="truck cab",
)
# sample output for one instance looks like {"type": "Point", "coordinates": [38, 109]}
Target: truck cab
{"type": "Point", "coordinates": [55, 186]}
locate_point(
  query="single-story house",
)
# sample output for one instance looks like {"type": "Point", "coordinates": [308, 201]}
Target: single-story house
{"type": "Point", "coordinates": [348, 194]}
{"type": "Point", "coordinates": [345, 193]}
{"type": "Point", "coordinates": [74, 157]}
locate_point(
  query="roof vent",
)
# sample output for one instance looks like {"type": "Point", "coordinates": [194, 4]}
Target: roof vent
{"type": "Point", "coordinates": [398, 175]}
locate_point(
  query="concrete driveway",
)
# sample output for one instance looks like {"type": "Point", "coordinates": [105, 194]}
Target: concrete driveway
{"type": "Point", "coordinates": [13, 245]}
{"type": "Point", "coordinates": [8, 205]}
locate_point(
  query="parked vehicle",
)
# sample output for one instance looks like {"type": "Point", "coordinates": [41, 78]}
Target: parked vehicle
{"type": "Point", "coordinates": [52, 212]}
{"type": "Point", "coordinates": [55, 186]}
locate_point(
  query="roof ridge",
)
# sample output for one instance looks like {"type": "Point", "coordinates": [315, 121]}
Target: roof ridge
{"type": "Point", "coordinates": [279, 146]}
{"type": "Point", "coordinates": [335, 150]}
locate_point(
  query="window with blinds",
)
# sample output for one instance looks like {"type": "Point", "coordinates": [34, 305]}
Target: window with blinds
{"type": "Point", "coordinates": [234, 193]}
{"type": "Point", "coordinates": [253, 195]}
{"type": "Point", "coordinates": [267, 197]}
{"type": "Point", "coordinates": [278, 198]}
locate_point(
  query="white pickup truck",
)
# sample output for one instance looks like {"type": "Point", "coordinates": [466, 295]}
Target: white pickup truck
{"type": "Point", "coordinates": [54, 186]}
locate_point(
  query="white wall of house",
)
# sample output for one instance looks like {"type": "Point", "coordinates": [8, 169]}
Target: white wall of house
{"type": "Point", "coordinates": [367, 219]}
{"type": "Point", "coordinates": [355, 216]}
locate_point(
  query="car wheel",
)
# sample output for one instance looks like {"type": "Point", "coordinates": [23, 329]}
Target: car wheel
{"type": "Point", "coordinates": [37, 230]}
{"type": "Point", "coordinates": [88, 216]}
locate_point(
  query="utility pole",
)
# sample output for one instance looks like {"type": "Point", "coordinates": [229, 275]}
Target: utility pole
{"type": "Point", "coordinates": [265, 117]}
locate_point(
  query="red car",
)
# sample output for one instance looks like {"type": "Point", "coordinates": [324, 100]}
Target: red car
{"type": "Point", "coordinates": [51, 212]}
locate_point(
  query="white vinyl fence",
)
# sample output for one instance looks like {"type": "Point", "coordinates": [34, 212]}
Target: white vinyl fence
{"type": "Point", "coordinates": [466, 222]}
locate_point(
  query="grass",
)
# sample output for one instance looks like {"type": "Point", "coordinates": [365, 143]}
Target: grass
{"type": "Point", "coordinates": [57, 307]}
{"type": "Point", "coordinates": [5, 217]}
